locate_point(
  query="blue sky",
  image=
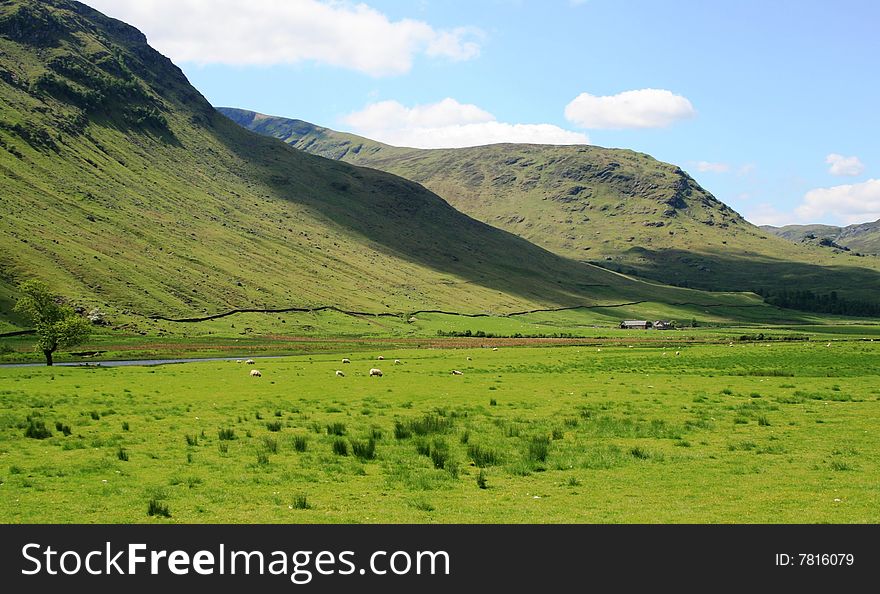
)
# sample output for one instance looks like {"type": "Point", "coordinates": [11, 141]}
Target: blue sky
{"type": "Point", "coordinates": [770, 105]}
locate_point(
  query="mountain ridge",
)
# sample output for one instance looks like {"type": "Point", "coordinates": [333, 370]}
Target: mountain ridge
{"type": "Point", "coordinates": [615, 208]}
{"type": "Point", "coordinates": [130, 192]}
{"type": "Point", "coordinates": [860, 237]}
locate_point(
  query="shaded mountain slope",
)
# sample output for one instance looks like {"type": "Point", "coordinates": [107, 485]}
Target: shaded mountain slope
{"type": "Point", "coordinates": [616, 208]}
{"type": "Point", "coordinates": [123, 188]}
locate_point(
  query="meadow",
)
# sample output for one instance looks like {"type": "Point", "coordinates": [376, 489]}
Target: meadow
{"type": "Point", "coordinates": [739, 432]}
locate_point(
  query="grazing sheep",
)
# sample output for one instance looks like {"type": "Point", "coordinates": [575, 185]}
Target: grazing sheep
{"type": "Point", "coordinates": [469, 359]}
{"type": "Point", "coordinates": [346, 361]}
{"type": "Point", "coordinates": [380, 358]}
{"type": "Point", "coordinates": [828, 345]}
{"type": "Point", "coordinates": [256, 373]}
{"type": "Point", "coordinates": [456, 372]}
{"type": "Point", "coordinates": [239, 361]}
{"type": "Point", "coordinates": [249, 362]}
{"type": "Point", "coordinates": [677, 353]}
{"type": "Point", "coordinates": [339, 373]}
{"type": "Point", "coordinates": [598, 350]}
{"type": "Point", "coordinates": [495, 349]}
{"type": "Point", "coordinates": [376, 372]}
{"type": "Point", "coordinates": [397, 361]}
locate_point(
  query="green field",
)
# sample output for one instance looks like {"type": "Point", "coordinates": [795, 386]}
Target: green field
{"type": "Point", "coordinates": [755, 432]}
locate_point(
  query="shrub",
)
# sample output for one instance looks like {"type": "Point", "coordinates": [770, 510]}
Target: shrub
{"type": "Point", "coordinates": [125, 426]}
{"type": "Point", "coordinates": [493, 402]}
{"type": "Point", "coordinates": [336, 429]}
{"type": "Point", "coordinates": [364, 451]}
{"type": "Point", "coordinates": [481, 480]}
{"type": "Point", "coordinates": [224, 448]}
{"type": "Point", "coordinates": [558, 434]}
{"type": "Point", "coordinates": [226, 434]}
{"type": "Point", "coordinates": [401, 431]}
{"type": "Point", "coordinates": [423, 448]}
{"type": "Point", "coordinates": [95, 416]}
{"type": "Point", "coordinates": [440, 455]}
{"type": "Point", "coordinates": [300, 502]}
{"type": "Point", "coordinates": [157, 508]}
{"type": "Point", "coordinates": [274, 426]}
{"type": "Point", "coordinates": [193, 440]}
{"type": "Point", "coordinates": [340, 447]}
{"type": "Point", "coordinates": [483, 456]}
{"type": "Point", "coordinates": [300, 443]}
{"type": "Point", "coordinates": [539, 447]}
{"type": "Point", "coordinates": [122, 454]}
{"type": "Point", "coordinates": [763, 421]}
{"type": "Point", "coordinates": [37, 430]}
{"type": "Point", "coordinates": [639, 453]}
{"type": "Point", "coordinates": [430, 423]}
{"type": "Point", "coordinates": [270, 445]}
{"type": "Point", "coordinates": [262, 457]}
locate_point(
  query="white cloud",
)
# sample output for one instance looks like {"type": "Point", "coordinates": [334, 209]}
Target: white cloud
{"type": "Point", "coordinates": [844, 166]}
{"type": "Point", "coordinates": [706, 166]}
{"type": "Point", "coordinates": [267, 32]}
{"type": "Point", "coordinates": [644, 108]}
{"type": "Point", "coordinates": [746, 170]}
{"type": "Point", "coordinates": [767, 214]}
{"type": "Point", "coordinates": [449, 124]}
{"type": "Point", "coordinates": [847, 204]}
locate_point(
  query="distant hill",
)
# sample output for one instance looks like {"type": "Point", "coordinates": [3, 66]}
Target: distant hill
{"type": "Point", "coordinates": [615, 208]}
{"type": "Point", "coordinates": [862, 238]}
{"type": "Point", "coordinates": [123, 188]}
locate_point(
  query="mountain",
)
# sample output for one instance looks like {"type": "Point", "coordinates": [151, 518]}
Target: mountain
{"type": "Point", "coordinates": [862, 238]}
{"type": "Point", "coordinates": [616, 208]}
{"type": "Point", "coordinates": [123, 188]}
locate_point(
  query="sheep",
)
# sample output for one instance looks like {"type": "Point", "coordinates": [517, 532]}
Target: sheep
{"type": "Point", "coordinates": [495, 349]}
{"type": "Point", "coordinates": [677, 353]}
{"type": "Point", "coordinates": [828, 345]}
{"type": "Point", "coordinates": [380, 358]}
{"type": "Point", "coordinates": [339, 373]}
{"type": "Point", "coordinates": [397, 361]}
{"type": "Point", "coordinates": [469, 359]}
{"type": "Point", "coordinates": [346, 361]}
{"type": "Point", "coordinates": [375, 372]}
{"type": "Point", "coordinates": [249, 362]}
{"type": "Point", "coordinates": [456, 372]}
{"type": "Point", "coordinates": [256, 373]}
{"type": "Point", "coordinates": [239, 361]}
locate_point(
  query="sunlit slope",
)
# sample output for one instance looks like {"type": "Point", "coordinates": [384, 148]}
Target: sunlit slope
{"type": "Point", "coordinates": [123, 188]}
{"type": "Point", "coordinates": [617, 208]}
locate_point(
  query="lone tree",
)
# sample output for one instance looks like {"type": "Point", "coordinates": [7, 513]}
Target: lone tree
{"type": "Point", "coordinates": [56, 324]}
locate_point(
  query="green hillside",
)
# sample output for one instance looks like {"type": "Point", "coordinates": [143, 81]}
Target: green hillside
{"type": "Point", "coordinates": [616, 208]}
{"type": "Point", "coordinates": [124, 189]}
{"type": "Point", "coordinates": [862, 238]}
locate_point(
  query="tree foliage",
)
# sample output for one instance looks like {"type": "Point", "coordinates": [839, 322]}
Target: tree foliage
{"type": "Point", "coordinates": [56, 324]}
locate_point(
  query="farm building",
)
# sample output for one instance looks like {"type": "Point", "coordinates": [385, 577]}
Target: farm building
{"type": "Point", "coordinates": [635, 324]}
{"type": "Point", "coordinates": [663, 325]}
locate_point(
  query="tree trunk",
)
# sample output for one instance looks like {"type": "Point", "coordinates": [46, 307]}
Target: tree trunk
{"type": "Point", "coordinates": [48, 357]}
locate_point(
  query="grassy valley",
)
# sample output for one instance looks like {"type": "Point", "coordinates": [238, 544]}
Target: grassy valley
{"type": "Point", "coordinates": [616, 208]}
{"type": "Point", "coordinates": [124, 189]}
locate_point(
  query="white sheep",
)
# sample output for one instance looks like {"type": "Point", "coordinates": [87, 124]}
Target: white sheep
{"type": "Point", "coordinates": [469, 359]}
{"type": "Point", "coordinates": [380, 358]}
{"type": "Point", "coordinates": [397, 361]}
{"type": "Point", "coordinates": [346, 361]}
{"type": "Point", "coordinates": [239, 361]}
{"type": "Point", "coordinates": [828, 345]}
{"type": "Point", "coordinates": [249, 362]}
{"type": "Point", "coordinates": [339, 373]}
{"type": "Point", "coordinates": [456, 372]}
{"type": "Point", "coordinates": [677, 353]}
{"type": "Point", "coordinates": [495, 349]}
{"type": "Point", "coordinates": [375, 372]}
{"type": "Point", "coordinates": [256, 373]}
